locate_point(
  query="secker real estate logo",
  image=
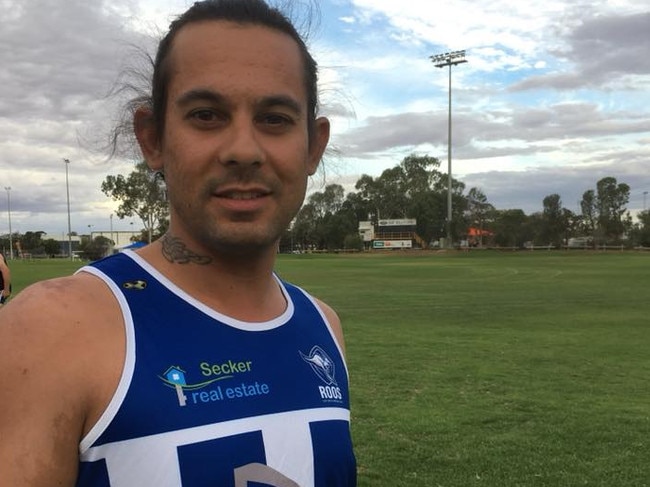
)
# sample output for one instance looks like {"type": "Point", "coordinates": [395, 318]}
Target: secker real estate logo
{"type": "Point", "coordinates": [325, 369]}
{"type": "Point", "coordinates": [211, 389]}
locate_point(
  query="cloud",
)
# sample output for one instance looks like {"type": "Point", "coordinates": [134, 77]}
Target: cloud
{"type": "Point", "coordinates": [602, 50]}
{"type": "Point", "coordinates": [554, 95]}
{"type": "Point", "coordinates": [60, 60]}
{"type": "Point", "coordinates": [527, 190]}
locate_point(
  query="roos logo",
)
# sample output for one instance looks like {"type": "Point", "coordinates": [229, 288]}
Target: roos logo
{"type": "Point", "coordinates": [323, 367]}
{"type": "Point", "coordinates": [321, 364]}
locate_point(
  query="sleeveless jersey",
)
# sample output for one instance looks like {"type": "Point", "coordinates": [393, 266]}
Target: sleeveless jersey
{"type": "Point", "coordinates": [205, 400]}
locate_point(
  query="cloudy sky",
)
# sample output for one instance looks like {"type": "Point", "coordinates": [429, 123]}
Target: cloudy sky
{"type": "Point", "coordinates": [555, 95]}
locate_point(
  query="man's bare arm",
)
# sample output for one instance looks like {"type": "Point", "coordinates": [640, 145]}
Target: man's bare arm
{"type": "Point", "coordinates": [55, 380]}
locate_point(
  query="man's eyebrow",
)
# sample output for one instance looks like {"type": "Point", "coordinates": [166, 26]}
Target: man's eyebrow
{"type": "Point", "coordinates": [282, 101]}
{"type": "Point", "coordinates": [214, 97]}
{"type": "Point", "coordinates": [201, 94]}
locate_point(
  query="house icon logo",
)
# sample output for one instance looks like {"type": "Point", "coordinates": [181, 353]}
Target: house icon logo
{"type": "Point", "coordinates": [176, 376]}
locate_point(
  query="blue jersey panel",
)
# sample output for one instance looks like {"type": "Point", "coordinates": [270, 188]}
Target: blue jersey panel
{"type": "Point", "coordinates": [198, 465]}
{"type": "Point", "coordinates": [93, 473]}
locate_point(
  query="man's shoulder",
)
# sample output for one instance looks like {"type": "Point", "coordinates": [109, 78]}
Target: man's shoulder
{"type": "Point", "coordinates": [56, 319]}
{"type": "Point", "coordinates": [76, 285]}
{"type": "Point", "coordinates": [61, 301]}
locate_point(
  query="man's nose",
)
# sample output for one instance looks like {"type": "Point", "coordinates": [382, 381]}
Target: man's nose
{"type": "Point", "coordinates": [241, 144]}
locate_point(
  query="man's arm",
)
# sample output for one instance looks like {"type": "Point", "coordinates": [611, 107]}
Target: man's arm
{"type": "Point", "coordinates": [55, 381]}
{"type": "Point", "coordinates": [6, 276]}
{"type": "Point", "coordinates": [335, 323]}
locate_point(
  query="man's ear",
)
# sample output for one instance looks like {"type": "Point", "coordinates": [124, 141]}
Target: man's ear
{"type": "Point", "coordinates": [318, 143]}
{"type": "Point", "coordinates": [146, 133]}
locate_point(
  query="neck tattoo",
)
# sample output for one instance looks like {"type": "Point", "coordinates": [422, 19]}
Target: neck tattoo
{"type": "Point", "coordinates": [175, 251]}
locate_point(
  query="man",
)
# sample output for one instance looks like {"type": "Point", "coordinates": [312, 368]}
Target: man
{"type": "Point", "coordinates": [189, 362]}
{"type": "Point", "coordinates": [5, 280]}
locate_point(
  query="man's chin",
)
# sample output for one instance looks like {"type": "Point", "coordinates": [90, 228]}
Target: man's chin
{"type": "Point", "coordinates": [241, 244]}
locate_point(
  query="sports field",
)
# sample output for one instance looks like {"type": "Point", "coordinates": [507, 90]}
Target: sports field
{"type": "Point", "coordinates": [485, 368]}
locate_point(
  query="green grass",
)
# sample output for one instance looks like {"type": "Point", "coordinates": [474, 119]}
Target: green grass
{"type": "Point", "coordinates": [509, 369]}
{"type": "Point", "coordinates": [25, 272]}
{"type": "Point", "coordinates": [487, 369]}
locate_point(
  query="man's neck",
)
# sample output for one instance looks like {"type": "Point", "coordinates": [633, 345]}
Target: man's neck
{"type": "Point", "coordinates": [242, 287]}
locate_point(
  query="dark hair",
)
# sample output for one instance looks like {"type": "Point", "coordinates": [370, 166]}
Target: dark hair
{"type": "Point", "coordinates": [256, 12]}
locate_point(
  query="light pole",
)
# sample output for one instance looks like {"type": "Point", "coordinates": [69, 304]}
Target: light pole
{"type": "Point", "coordinates": [67, 190]}
{"type": "Point", "coordinates": [11, 244]}
{"type": "Point", "coordinates": [645, 193]}
{"type": "Point", "coordinates": [439, 61]}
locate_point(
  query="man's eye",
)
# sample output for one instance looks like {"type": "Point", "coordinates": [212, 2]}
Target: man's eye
{"type": "Point", "coordinates": [275, 119]}
{"type": "Point", "coordinates": [204, 115]}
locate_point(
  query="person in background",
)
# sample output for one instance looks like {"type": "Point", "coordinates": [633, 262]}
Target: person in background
{"type": "Point", "coordinates": [190, 362]}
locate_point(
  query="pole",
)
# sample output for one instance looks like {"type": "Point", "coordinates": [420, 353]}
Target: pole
{"type": "Point", "coordinates": [449, 239]}
{"type": "Point", "coordinates": [645, 193]}
{"type": "Point", "coordinates": [11, 244]}
{"type": "Point", "coordinates": [67, 190]}
{"type": "Point", "coordinates": [441, 60]}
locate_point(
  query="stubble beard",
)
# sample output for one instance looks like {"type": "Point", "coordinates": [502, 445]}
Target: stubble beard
{"type": "Point", "coordinates": [240, 239]}
{"type": "Point", "coordinates": [246, 237]}
{"type": "Point", "coordinates": [235, 238]}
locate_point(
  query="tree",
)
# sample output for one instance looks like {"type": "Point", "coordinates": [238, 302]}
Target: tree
{"type": "Point", "coordinates": [553, 222]}
{"type": "Point", "coordinates": [430, 211]}
{"type": "Point", "coordinates": [31, 242]}
{"type": "Point", "coordinates": [414, 189]}
{"type": "Point", "coordinates": [353, 241]}
{"type": "Point", "coordinates": [571, 223]}
{"type": "Point", "coordinates": [96, 248]}
{"type": "Point", "coordinates": [304, 227]}
{"type": "Point", "coordinates": [420, 174]}
{"type": "Point", "coordinates": [386, 194]}
{"type": "Point", "coordinates": [140, 194]}
{"type": "Point", "coordinates": [641, 231]}
{"type": "Point", "coordinates": [329, 201]}
{"type": "Point", "coordinates": [511, 228]}
{"type": "Point", "coordinates": [589, 213]}
{"type": "Point", "coordinates": [479, 211]}
{"type": "Point", "coordinates": [51, 247]}
{"type": "Point", "coordinates": [326, 219]}
{"type": "Point", "coordinates": [611, 199]}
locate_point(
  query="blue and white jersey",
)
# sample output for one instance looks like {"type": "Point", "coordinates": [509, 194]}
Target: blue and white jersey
{"type": "Point", "coordinates": [205, 400]}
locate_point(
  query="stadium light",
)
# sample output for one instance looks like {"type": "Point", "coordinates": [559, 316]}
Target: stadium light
{"type": "Point", "coordinates": [440, 61]}
{"type": "Point", "coordinates": [67, 190]}
{"type": "Point", "coordinates": [11, 244]}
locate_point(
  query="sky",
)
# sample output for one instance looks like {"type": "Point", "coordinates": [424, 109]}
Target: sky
{"type": "Point", "coordinates": [554, 96]}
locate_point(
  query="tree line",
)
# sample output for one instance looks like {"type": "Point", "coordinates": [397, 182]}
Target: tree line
{"type": "Point", "coordinates": [416, 189]}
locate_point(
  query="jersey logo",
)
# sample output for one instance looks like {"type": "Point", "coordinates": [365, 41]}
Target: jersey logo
{"type": "Point", "coordinates": [321, 364]}
{"type": "Point", "coordinates": [138, 285]}
{"type": "Point", "coordinates": [324, 368]}
{"type": "Point", "coordinates": [207, 391]}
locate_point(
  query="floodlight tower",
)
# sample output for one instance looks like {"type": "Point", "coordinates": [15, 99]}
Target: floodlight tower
{"type": "Point", "coordinates": [440, 61]}
{"type": "Point", "coordinates": [67, 190]}
{"type": "Point", "coordinates": [11, 244]}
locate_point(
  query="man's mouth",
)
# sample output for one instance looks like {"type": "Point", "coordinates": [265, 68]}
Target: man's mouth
{"type": "Point", "coordinates": [241, 195]}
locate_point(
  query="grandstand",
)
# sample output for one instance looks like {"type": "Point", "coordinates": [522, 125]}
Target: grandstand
{"type": "Point", "coordinates": [391, 234]}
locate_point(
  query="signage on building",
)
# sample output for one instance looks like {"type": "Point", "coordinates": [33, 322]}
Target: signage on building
{"type": "Point", "coordinates": [392, 244]}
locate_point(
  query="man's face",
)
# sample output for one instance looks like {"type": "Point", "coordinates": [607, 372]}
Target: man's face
{"type": "Point", "coordinates": [235, 148]}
